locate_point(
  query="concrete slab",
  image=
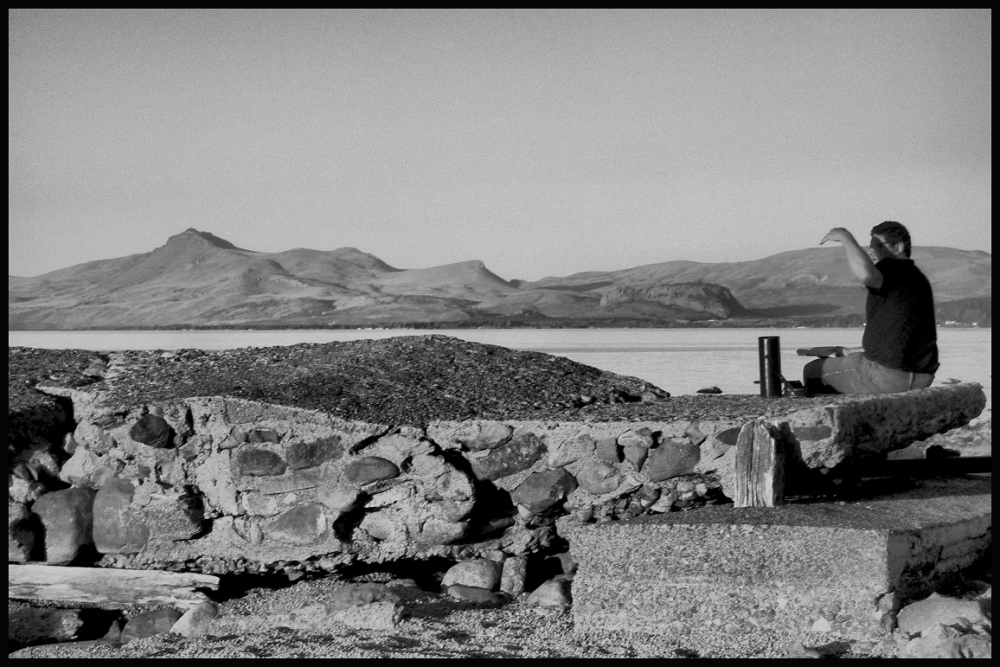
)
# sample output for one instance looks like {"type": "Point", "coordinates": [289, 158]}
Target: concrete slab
{"type": "Point", "coordinates": [844, 567]}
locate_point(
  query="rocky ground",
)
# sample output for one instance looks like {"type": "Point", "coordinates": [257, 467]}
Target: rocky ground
{"type": "Point", "coordinates": [433, 624]}
{"type": "Point", "coordinates": [436, 625]}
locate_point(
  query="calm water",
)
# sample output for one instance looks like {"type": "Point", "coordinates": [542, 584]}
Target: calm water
{"type": "Point", "coordinates": [680, 361]}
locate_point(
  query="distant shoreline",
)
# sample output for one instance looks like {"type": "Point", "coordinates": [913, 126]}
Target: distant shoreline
{"type": "Point", "coordinates": [430, 326]}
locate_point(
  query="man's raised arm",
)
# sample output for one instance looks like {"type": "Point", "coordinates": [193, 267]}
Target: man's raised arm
{"type": "Point", "coordinates": [857, 259]}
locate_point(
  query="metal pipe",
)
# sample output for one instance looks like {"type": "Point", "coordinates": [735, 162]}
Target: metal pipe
{"type": "Point", "coordinates": [769, 351]}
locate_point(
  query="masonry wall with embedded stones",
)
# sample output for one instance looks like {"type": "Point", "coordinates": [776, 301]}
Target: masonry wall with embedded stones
{"type": "Point", "coordinates": [222, 484]}
{"type": "Point", "coordinates": [229, 485]}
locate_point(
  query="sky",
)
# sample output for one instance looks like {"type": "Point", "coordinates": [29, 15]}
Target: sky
{"type": "Point", "coordinates": [541, 142]}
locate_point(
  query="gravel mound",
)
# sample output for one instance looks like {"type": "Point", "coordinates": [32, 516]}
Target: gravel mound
{"type": "Point", "coordinates": [402, 380]}
{"type": "Point", "coordinates": [407, 379]}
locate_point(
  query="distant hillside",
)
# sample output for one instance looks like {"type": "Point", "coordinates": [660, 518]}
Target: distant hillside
{"type": "Point", "coordinates": [810, 285]}
{"type": "Point", "coordinates": [199, 280]}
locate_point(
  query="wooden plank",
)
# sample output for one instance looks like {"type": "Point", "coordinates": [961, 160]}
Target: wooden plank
{"type": "Point", "coordinates": [760, 466]}
{"type": "Point", "coordinates": [108, 587]}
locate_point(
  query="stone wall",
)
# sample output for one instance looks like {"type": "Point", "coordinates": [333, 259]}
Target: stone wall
{"type": "Point", "coordinates": [291, 465]}
{"type": "Point", "coordinates": [221, 485]}
{"type": "Point", "coordinates": [217, 484]}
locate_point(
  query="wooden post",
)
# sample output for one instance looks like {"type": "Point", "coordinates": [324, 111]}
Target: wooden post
{"type": "Point", "coordinates": [108, 587]}
{"type": "Point", "coordinates": [760, 466]}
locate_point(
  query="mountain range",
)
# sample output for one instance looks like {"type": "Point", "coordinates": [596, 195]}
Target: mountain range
{"type": "Point", "coordinates": [197, 279]}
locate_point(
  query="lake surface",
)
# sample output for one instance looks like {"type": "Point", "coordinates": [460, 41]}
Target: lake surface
{"type": "Point", "coordinates": [680, 361]}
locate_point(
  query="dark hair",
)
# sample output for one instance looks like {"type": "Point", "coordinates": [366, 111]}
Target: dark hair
{"type": "Point", "coordinates": [893, 232]}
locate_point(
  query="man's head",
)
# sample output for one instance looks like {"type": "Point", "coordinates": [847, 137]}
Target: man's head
{"type": "Point", "coordinates": [892, 233]}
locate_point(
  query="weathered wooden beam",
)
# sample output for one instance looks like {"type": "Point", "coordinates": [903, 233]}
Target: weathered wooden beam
{"type": "Point", "coordinates": [760, 466]}
{"type": "Point", "coordinates": [108, 587]}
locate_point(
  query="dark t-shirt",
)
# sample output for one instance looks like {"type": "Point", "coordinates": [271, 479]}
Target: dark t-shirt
{"type": "Point", "coordinates": [900, 331]}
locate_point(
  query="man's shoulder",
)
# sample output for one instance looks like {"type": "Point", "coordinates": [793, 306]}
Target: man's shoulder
{"type": "Point", "coordinates": [898, 266]}
{"type": "Point", "coordinates": [902, 273]}
{"type": "Point", "coordinates": [895, 262]}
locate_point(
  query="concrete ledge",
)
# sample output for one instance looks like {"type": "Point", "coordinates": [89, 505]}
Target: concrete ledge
{"type": "Point", "coordinates": [843, 567]}
{"type": "Point", "coordinates": [859, 427]}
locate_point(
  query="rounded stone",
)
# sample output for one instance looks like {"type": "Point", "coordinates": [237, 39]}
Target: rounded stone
{"type": "Point", "coordinates": [257, 463]}
{"type": "Point", "coordinates": [513, 457]}
{"type": "Point", "coordinates": [608, 449]}
{"type": "Point", "coordinates": [636, 455]}
{"type": "Point", "coordinates": [694, 434]}
{"type": "Point", "coordinates": [152, 430]}
{"type": "Point", "coordinates": [543, 490]}
{"type": "Point", "coordinates": [150, 623]}
{"type": "Point", "coordinates": [304, 524]}
{"type": "Point", "coordinates": [514, 575]}
{"type": "Point", "coordinates": [452, 494]}
{"type": "Point", "coordinates": [370, 469]}
{"type": "Point", "coordinates": [939, 610]}
{"type": "Point", "coordinates": [196, 621]}
{"type": "Point", "coordinates": [475, 594]}
{"type": "Point", "coordinates": [639, 437]}
{"type": "Point", "coordinates": [553, 594]}
{"type": "Point", "coordinates": [259, 435]}
{"type": "Point", "coordinates": [480, 572]}
{"type": "Point", "coordinates": [599, 478]}
{"type": "Point", "coordinates": [116, 528]}
{"type": "Point", "coordinates": [67, 518]}
{"type": "Point", "coordinates": [571, 450]}
{"type": "Point", "coordinates": [310, 454]}
{"type": "Point", "coordinates": [671, 459]}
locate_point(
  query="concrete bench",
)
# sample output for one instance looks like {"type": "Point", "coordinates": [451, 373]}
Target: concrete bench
{"type": "Point", "coordinates": [845, 435]}
{"type": "Point", "coordinates": [842, 567]}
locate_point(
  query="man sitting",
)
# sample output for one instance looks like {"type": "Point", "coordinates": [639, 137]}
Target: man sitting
{"type": "Point", "coordinates": [899, 347]}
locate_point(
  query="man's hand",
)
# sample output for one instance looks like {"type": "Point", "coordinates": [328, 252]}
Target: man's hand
{"type": "Point", "coordinates": [838, 234]}
{"type": "Point", "coordinates": [860, 263]}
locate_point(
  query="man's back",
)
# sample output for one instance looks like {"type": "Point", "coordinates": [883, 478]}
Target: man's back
{"type": "Point", "coordinates": [901, 331]}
